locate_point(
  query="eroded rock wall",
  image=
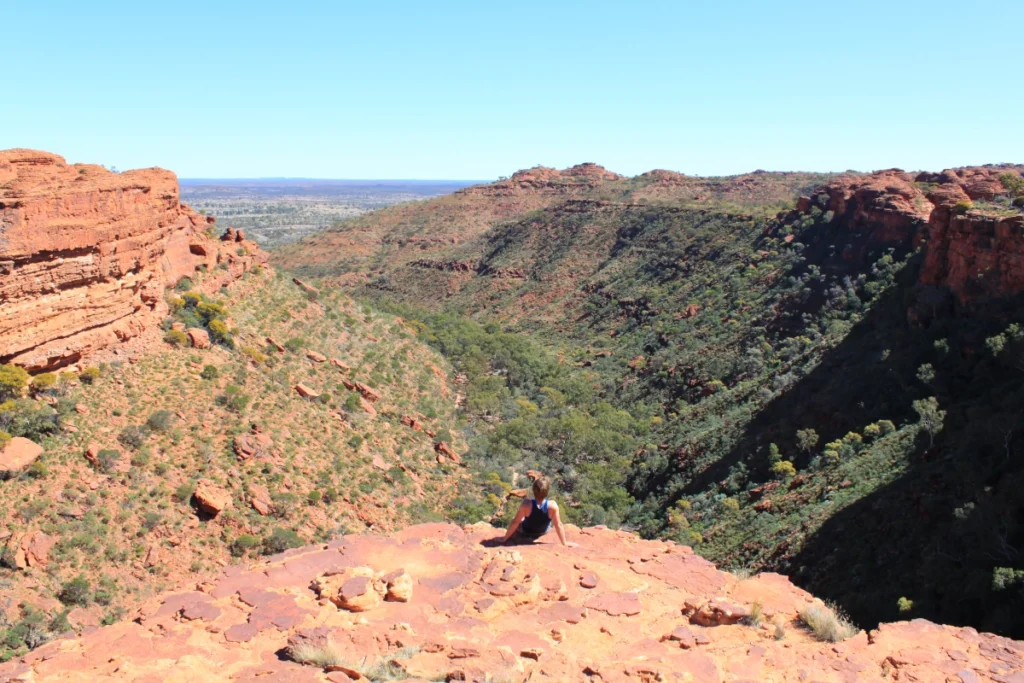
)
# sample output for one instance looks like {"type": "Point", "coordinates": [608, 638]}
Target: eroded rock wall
{"type": "Point", "coordinates": [86, 253]}
{"type": "Point", "coordinates": [972, 246]}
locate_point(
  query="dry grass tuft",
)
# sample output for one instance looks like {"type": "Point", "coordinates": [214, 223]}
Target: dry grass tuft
{"type": "Point", "coordinates": [827, 623]}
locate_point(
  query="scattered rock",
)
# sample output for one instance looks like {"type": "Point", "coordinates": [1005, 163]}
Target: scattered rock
{"type": "Point", "coordinates": [305, 392]}
{"type": "Point", "coordinates": [316, 357]}
{"type": "Point", "coordinates": [198, 337]}
{"type": "Point", "coordinates": [211, 498]}
{"type": "Point", "coordinates": [443, 451]}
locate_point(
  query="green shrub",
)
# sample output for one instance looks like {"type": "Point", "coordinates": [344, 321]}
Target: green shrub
{"type": "Point", "coordinates": [27, 418]}
{"type": "Point", "coordinates": [160, 421]}
{"type": "Point", "coordinates": [962, 207]}
{"type": "Point", "coordinates": [5, 439]}
{"type": "Point", "coordinates": [176, 338]}
{"type": "Point", "coordinates": [281, 539]}
{"type": "Point", "coordinates": [784, 469]}
{"type": "Point", "coordinates": [76, 592]}
{"type": "Point", "coordinates": [133, 436]}
{"type": "Point", "coordinates": [219, 333]}
{"type": "Point", "coordinates": [108, 459]}
{"type": "Point", "coordinates": [244, 544]}
{"type": "Point", "coordinates": [89, 375]}
{"type": "Point", "coordinates": [314, 497]}
{"type": "Point", "coordinates": [44, 382]}
{"type": "Point", "coordinates": [210, 372]}
{"type": "Point", "coordinates": [184, 284]}
{"type": "Point", "coordinates": [13, 380]}
{"type": "Point", "coordinates": [184, 491]}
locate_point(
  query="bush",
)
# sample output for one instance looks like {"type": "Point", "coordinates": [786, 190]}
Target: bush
{"type": "Point", "coordinates": [76, 592]}
{"type": "Point", "coordinates": [13, 380]}
{"type": "Point", "coordinates": [44, 382]}
{"type": "Point", "coordinates": [89, 375]}
{"type": "Point", "coordinates": [826, 623]}
{"type": "Point", "coordinates": [184, 285]}
{"type": "Point", "coordinates": [220, 334]}
{"type": "Point", "coordinates": [962, 207]}
{"type": "Point", "coordinates": [784, 469]}
{"type": "Point", "coordinates": [29, 419]}
{"type": "Point", "coordinates": [133, 436]}
{"type": "Point", "coordinates": [281, 539]}
{"type": "Point", "coordinates": [5, 439]}
{"type": "Point", "coordinates": [108, 459]}
{"type": "Point", "coordinates": [160, 421]}
{"type": "Point", "coordinates": [314, 497]}
{"type": "Point", "coordinates": [184, 491]}
{"type": "Point", "coordinates": [176, 338]}
{"type": "Point", "coordinates": [244, 544]}
{"type": "Point", "coordinates": [210, 372]}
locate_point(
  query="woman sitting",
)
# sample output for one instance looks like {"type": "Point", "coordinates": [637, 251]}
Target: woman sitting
{"type": "Point", "coordinates": [536, 516]}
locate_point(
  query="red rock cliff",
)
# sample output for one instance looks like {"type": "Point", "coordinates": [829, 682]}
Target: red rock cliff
{"type": "Point", "coordinates": [85, 255]}
{"type": "Point", "coordinates": [973, 246]}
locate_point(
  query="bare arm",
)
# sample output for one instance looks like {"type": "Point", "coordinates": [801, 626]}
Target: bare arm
{"type": "Point", "coordinates": [516, 521]}
{"type": "Point", "coordinates": [556, 520]}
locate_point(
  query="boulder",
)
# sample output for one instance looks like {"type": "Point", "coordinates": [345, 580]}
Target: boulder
{"type": "Point", "coordinates": [18, 454]}
{"type": "Point", "coordinates": [355, 589]}
{"type": "Point", "coordinates": [305, 392]}
{"type": "Point", "coordinates": [316, 357]}
{"type": "Point", "coordinates": [198, 337]}
{"type": "Point", "coordinates": [178, 326]}
{"type": "Point", "coordinates": [280, 349]}
{"type": "Point", "coordinates": [399, 585]}
{"type": "Point", "coordinates": [412, 423]}
{"type": "Point", "coordinates": [36, 547]}
{"type": "Point", "coordinates": [211, 498]}
{"type": "Point", "coordinates": [443, 451]}
{"type": "Point", "coordinates": [259, 498]}
{"type": "Point", "coordinates": [341, 366]}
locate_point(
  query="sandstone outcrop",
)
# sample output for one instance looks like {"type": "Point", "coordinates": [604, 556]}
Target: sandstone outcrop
{"type": "Point", "coordinates": [85, 256]}
{"type": "Point", "coordinates": [477, 612]}
{"type": "Point", "coordinates": [974, 252]}
{"type": "Point", "coordinates": [18, 454]}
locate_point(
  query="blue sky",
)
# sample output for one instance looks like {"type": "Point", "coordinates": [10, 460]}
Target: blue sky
{"type": "Point", "coordinates": [481, 89]}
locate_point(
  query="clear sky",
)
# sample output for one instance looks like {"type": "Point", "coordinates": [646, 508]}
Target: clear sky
{"type": "Point", "coordinates": [474, 90]}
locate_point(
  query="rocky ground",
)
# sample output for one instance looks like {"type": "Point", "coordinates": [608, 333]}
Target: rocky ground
{"type": "Point", "coordinates": [439, 602]}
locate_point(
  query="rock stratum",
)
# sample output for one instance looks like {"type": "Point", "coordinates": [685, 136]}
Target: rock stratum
{"type": "Point", "coordinates": [85, 255]}
{"type": "Point", "coordinates": [440, 602]}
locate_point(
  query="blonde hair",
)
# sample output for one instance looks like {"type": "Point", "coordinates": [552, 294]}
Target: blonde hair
{"type": "Point", "coordinates": [541, 485]}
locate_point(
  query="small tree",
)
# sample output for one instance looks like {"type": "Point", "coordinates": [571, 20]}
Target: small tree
{"type": "Point", "coordinates": [806, 440]}
{"type": "Point", "coordinates": [930, 417]}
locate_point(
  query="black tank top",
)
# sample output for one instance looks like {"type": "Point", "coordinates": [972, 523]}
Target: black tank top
{"type": "Point", "coordinates": [537, 523]}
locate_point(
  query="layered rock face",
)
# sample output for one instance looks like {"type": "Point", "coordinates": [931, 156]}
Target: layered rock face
{"type": "Point", "coordinates": [974, 250]}
{"type": "Point", "coordinates": [439, 602]}
{"type": "Point", "coordinates": [85, 255]}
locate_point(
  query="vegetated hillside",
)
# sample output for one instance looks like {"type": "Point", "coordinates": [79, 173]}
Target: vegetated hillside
{"type": "Point", "coordinates": [166, 468]}
{"type": "Point", "coordinates": [377, 242]}
{"type": "Point", "coordinates": [830, 391]}
{"type": "Point", "coordinates": [437, 602]}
